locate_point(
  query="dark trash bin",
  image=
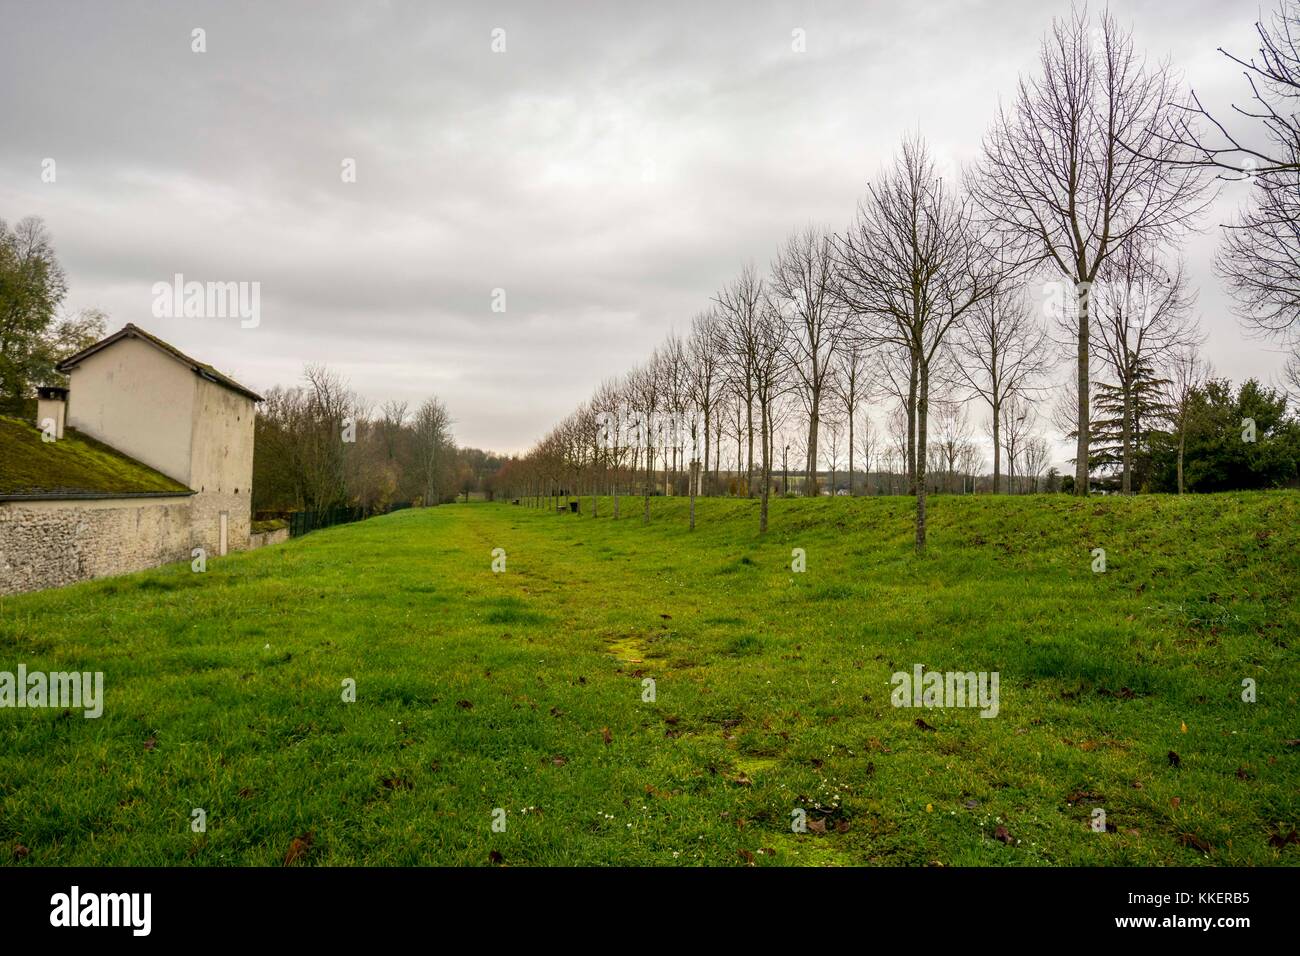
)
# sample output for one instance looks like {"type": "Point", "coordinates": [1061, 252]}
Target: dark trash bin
{"type": "Point", "coordinates": [573, 507]}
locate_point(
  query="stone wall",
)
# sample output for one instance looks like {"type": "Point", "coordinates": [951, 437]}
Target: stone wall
{"type": "Point", "coordinates": [205, 516]}
{"type": "Point", "coordinates": [45, 544]}
{"type": "Point", "coordinates": [261, 539]}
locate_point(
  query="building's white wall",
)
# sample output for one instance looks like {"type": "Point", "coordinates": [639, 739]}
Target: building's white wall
{"type": "Point", "coordinates": [139, 400]}
{"type": "Point", "coordinates": [50, 409]}
{"type": "Point", "coordinates": [221, 468]}
{"type": "Point", "coordinates": [46, 544]}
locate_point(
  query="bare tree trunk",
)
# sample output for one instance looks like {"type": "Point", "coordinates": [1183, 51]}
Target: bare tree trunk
{"type": "Point", "coordinates": [762, 512]}
{"type": "Point", "coordinates": [770, 446]}
{"type": "Point", "coordinates": [1081, 446]}
{"type": "Point", "coordinates": [922, 413]}
{"type": "Point", "coordinates": [911, 429]}
{"type": "Point", "coordinates": [1126, 482]}
{"type": "Point", "coordinates": [811, 469]}
{"type": "Point", "coordinates": [749, 464]}
{"type": "Point", "coordinates": [695, 469]}
{"type": "Point", "coordinates": [850, 453]}
{"type": "Point", "coordinates": [649, 482]}
{"type": "Point", "coordinates": [740, 446]}
{"type": "Point", "coordinates": [614, 483]}
{"type": "Point", "coordinates": [704, 471]}
{"type": "Point", "coordinates": [717, 460]}
{"type": "Point", "coordinates": [997, 446]}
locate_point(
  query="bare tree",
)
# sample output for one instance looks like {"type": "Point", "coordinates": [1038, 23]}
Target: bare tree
{"type": "Point", "coordinates": [1036, 455]}
{"type": "Point", "coordinates": [1081, 165]}
{"type": "Point", "coordinates": [912, 268]}
{"type": "Point", "coordinates": [1001, 351]}
{"type": "Point", "coordinates": [869, 445]}
{"type": "Point", "coordinates": [834, 447]}
{"type": "Point", "coordinates": [769, 384]}
{"type": "Point", "coordinates": [607, 406]}
{"type": "Point", "coordinates": [705, 380]}
{"type": "Point", "coordinates": [1291, 376]}
{"type": "Point", "coordinates": [433, 447]}
{"type": "Point", "coordinates": [802, 288]}
{"type": "Point", "coordinates": [1018, 418]}
{"type": "Point", "coordinates": [898, 379]}
{"type": "Point", "coordinates": [899, 452]}
{"type": "Point", "coordinates": [852, 378]}
{"type": "Point", "coordinates": [1274, 80]}
{"type": "Point", "coordinates": [328, 406]}
{"type": "Point", "coordinates": [953, 434]}
{"type": "Point", "coordinates": [740, 305]}
{"type": "Point", "coordinates": [643, 384]}
{"type": "Point", "coordinates": [675, 391]}
{"type": "Point", "coordinates": [1187, 373]}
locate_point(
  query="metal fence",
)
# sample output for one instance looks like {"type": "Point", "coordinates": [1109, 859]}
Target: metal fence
{"type": "Point", "coordinates": [300, 522]}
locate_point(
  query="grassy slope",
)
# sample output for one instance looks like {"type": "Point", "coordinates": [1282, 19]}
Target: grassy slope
{"type": "Point", "coordinates": [76, 462]}
{"type": "Point", "coordinates": [773, 690]}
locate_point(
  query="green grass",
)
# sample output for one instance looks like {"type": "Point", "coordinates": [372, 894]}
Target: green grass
{"type": "Point", "coordinates": [75, 464]}
{"type": "Point", "coordinates": [523, 690]}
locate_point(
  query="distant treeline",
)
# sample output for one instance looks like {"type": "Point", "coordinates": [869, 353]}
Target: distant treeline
{"type": "Point", "coordinates": [319, 445]}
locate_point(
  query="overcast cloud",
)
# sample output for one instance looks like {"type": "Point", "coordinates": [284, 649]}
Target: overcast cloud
{"type": "Point", "coordinates": [609, 170]}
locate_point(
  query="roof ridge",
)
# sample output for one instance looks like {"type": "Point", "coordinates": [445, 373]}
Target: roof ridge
{"type": "Point", "coordinates": [202, 369]}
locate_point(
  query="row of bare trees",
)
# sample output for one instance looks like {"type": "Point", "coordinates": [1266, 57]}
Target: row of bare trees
{"type": "Point", "coordinates": [1061, 239]}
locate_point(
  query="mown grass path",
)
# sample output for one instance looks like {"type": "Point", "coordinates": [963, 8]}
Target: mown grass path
{"type": "Point", "coordinates": [524, 691]}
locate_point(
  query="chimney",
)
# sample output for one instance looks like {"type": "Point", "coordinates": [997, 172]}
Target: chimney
{"type": "Point", "coordinates": [51, 405]}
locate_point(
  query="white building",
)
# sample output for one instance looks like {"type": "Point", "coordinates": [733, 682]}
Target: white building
{"type": "Point", "coordinates": [151, 457]}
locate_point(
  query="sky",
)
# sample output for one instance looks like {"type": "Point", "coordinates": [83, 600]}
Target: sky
{"type": "Point", "coordinates": [598, 178]}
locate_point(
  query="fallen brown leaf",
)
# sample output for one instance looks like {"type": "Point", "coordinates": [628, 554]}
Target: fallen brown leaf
{"type": "Point", "coordinates": [1279, 841]}
{"type": "Point", "coordinates": [606, 735]}
{"type": "Point", "coordinates": [1003, 835]}
{"type": "Point", "coordinates": [1192, 840]}
{"type": "Point", "coordinates": [299, 847]}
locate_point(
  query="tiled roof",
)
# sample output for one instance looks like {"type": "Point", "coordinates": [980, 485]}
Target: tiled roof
{"type": "Point", "coordinates": [201, 369]}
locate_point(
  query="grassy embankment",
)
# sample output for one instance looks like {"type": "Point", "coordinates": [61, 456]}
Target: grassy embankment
{"type": "Point", "coordinates": [523, 690]}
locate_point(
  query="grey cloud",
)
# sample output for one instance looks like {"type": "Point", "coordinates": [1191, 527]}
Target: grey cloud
{"type": "Point", "coordinates": [609, 171]}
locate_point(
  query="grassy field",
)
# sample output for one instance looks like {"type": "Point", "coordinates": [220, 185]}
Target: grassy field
{"type": "Point", "coordinates": [523, 691]}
